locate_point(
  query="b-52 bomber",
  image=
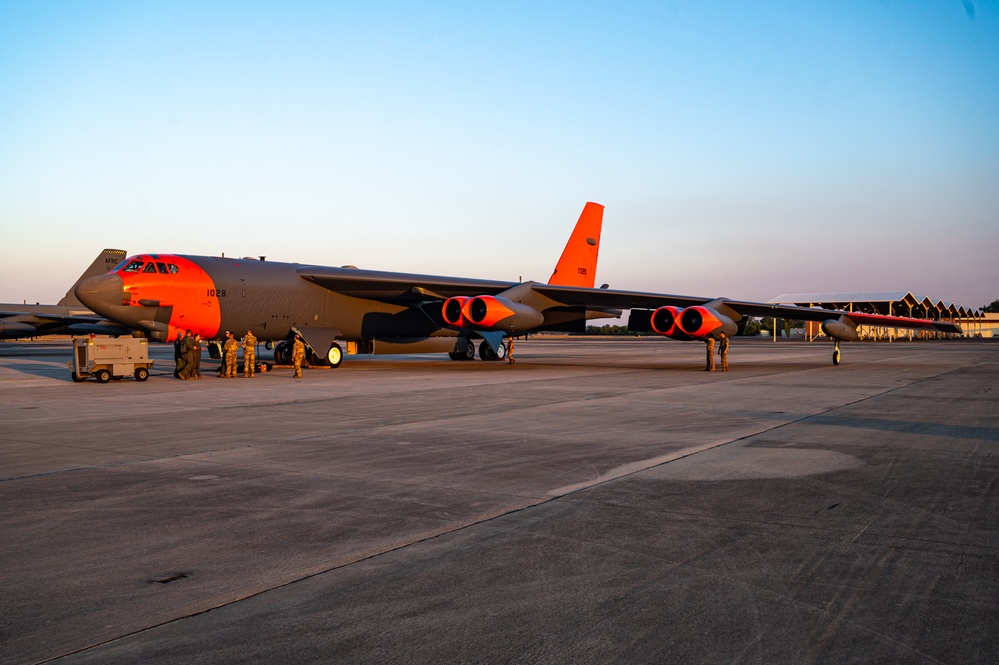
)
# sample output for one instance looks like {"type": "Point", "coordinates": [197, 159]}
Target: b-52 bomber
{"type": "Point", "coordinates": [165, 294]}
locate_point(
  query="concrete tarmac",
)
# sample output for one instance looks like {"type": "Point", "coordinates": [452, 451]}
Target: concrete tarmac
{"type": "Point", "coordinates": [602, 500]}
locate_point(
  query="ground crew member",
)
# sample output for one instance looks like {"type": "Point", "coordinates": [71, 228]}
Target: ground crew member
{"type": "Point", "coordinates": [178, 356]}
{"type": "Point", "coordinates": [249, 355]}
{"type": "Point", "coordinates": [186, 345]}
{"type": "Point", "coordinates": [298, 355]}
{"type": "Point", "coordinates": [723, 351]}
{"type": "Point", "coordinates": [710, 341]}
{"type": "Point", "coordinates": [195, 359]}
{"type": "Point", "coordinates": [509, 352]}
{"type": "Point", "coordinates": [230, 348]}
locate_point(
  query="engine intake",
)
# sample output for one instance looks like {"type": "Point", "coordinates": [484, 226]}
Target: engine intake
{"type": "Point", "coordinates": [452, 311]}
{"type": "Point", "coordinates": [699, 322]}
{"type": "Point", "coordinates": [664, 321]}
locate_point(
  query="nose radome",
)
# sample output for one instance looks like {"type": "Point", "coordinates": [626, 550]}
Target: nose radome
{"type": "Point", "coordinates": [101, 292]}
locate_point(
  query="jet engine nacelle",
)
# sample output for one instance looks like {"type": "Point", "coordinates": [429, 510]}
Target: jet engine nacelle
{"type": "Point", "coordinates": [499, 313]}
{"type": "Point", "coordinates": [841, 329]}
{"type": "Point", "coordinates": [699, 322]}
{"type": "Point", "coordinates": [452, 311]}
{"type": "Point", "coordinates": [666, 321]}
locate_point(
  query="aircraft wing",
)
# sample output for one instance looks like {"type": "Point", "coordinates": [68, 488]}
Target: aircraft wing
{"type": "Point", "coordinates": [819, 314]}
{"type": "Point", "coordinates": [17, 324]}
{"type": "Point", "coordinates": [55, 317]}
{"type": "Point", "coordinates": [397, 288]}
{"type": "Point", "coordinates": [608, 298]}
{"type": "Point", "coordinates": [409, 289]}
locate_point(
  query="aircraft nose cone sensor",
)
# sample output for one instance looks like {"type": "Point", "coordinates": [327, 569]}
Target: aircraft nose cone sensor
{"type": "Point", "coordinates": [100, 293]}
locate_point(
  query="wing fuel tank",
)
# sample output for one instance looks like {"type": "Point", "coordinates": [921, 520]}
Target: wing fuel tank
{"type": "Point", "coordinates": [843, 328]}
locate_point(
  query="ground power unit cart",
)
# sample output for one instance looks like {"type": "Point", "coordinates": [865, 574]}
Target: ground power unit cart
{"type": "Point", "coordinates": [106, 358]}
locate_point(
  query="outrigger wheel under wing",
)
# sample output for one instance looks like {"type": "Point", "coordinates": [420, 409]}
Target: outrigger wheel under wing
{"type": "Point", "coordinates": [323, 343]}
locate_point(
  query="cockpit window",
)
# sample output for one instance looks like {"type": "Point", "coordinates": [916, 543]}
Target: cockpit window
{"type": "Point", "coordinates": [143, 266]}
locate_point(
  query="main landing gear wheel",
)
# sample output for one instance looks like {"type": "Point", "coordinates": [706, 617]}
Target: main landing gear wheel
{"type": "Point", "coordinates": [334, 356]}
{"type": "Point", "coordinates": [282, 354]}
{"type": "Point", "coordinates": [486, 352]}
{"type": "Point", "coordinates": [467, 354]}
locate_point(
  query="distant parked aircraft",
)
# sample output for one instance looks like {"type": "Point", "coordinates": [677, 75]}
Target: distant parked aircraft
{"type": "Point", "coordinates": [69, 316]}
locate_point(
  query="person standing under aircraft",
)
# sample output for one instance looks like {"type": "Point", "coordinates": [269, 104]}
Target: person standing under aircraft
{"type": "Point", "coordinates": [723, 351]}
{"type": "Point", "coordinates": [249, 355]}
{"type": "Point", "coordinates": [185, 355]}
{"type": "Point", "coordinates": [710, 342]}
{"type": "Point", "coordinates": [178, 356]}
{"type": "Point", "coordinates": [230, 349]}
{"type": "Point", "coordinates": [196, 357]}
{"type": "Point", "coordinates": [298, 355]}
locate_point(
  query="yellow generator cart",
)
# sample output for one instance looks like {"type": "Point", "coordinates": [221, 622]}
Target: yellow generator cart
{"type": "Point", "coordinates": [106, 358]}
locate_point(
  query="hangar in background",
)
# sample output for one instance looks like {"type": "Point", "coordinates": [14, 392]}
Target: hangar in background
{"type": "Point", "coordinates": [974, 322]}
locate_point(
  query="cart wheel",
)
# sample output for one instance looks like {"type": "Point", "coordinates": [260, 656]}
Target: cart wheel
{"type": "Point", "coordinates": [102, 376]}
{"type": "Point", "coordinates": [77, 378]}
{"type": "Point", "coordinates": [141, 373]}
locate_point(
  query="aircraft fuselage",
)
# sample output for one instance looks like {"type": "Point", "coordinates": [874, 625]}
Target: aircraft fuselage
{"type": "Point", "coordinates": [209, 295]}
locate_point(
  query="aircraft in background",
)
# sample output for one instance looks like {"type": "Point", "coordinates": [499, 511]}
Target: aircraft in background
{"type": "Point", "coordinates": [69, 316]}
{"type": "Point", "coordinates": [387, 312]}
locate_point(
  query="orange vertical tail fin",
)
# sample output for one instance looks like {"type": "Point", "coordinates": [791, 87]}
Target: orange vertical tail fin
{"type": "Point", "coordinates": [578, 263]}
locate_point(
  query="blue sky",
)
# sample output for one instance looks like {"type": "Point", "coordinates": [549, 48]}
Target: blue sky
{"type": "Point", "coordinates": [742, 149]}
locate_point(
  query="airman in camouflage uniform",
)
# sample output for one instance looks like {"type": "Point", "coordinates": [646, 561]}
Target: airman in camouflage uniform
{"type": "Point", "coordinates": [178, 356]}
{"type": "Point", "coordinates": [723, 351]}
{"type": "Point", "coordinates": [186, 353]}
{"type": "Point", "coordinates": [298, 355]}
{"type": "Point", "coordinates": [194, 360]}
{"type": "Point", "coordinates": [249, 355]}
{"type": "Point", "coordinates": [230, 349]}
{"type": "Point", "coordinates": [710, 341]}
